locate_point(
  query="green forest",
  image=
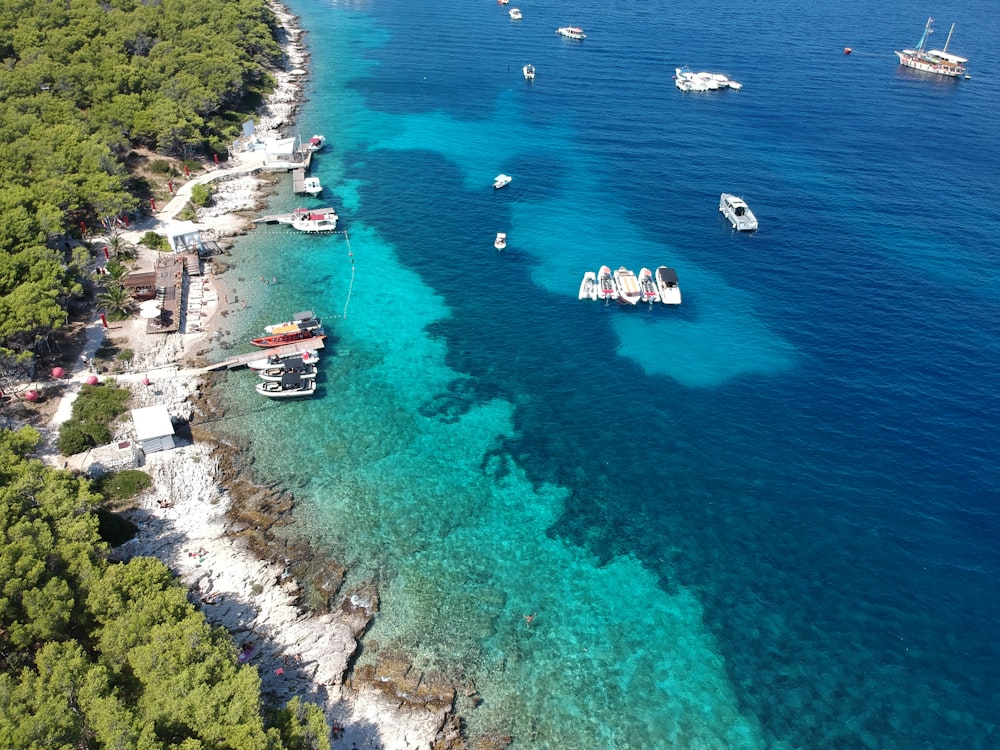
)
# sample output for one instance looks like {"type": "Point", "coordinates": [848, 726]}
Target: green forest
{"type": "Point", "coordinates": [96, 654]}
{"type": "Point", "coordinates": [82, 84]}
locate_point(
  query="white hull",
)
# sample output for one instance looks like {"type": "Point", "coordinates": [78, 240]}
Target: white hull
{"type": "Point", "coordinates": [501, 180]}
{"type": "Point", "coordinates": [588, 287]}
{"type": "Point", "coordinates": [312, 186]}
{"type": "Point", "coordinates": [571, 32]}
{"type": "Point", "coordinates": [666, 282]}
{"type": "Point", "coordinates": [276, 374]}
{"type": "Point", "coordinates": [647, 287]}
{"type": "Point", "coordinates": [628, 286]}
{"type": "Point", "coordinates": [319, 220]}
{"type": "Point", "coordinates": [276, 390]}
{"type": "Point", "coordinates": [688, 80]}
{"type": "Point", "coordinates": [501, 241]}
{"type": "Point", "coordinates": [738, 212]}
{"type": "Point", "coordinates": [913, 59]}
{"type": "Point", "coordinates": [529, 72]}
{"type": "Point", "coordinates": [310, 356]}
{"type": "Point", "coordinates": [606, 288]}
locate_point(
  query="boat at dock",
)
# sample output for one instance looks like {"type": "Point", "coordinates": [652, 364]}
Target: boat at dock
{"type": "Point", "coordinates": [277, 339]}
{"type": "Point", "coordinates": [316, 143]}
{"type": "Point", "coordinates": [738, 212]}
{"type": "Point", "coordinates": [666, 282]}
{"type": "Point", "coordinates": [940, 62]}
{"type": "Point", "coordinates": [647, 287]}
{"type": "Point", "coordinates": [628, 286]}
{"type": "Point", "coordinates": [304, 320]}
{"type": "Point", "coordinates": [314, 219]}
{"type": "Point", "coordinates": [312, 186]}
{"type": "Point", "coordinates": [289, 366]}
{"type": "Point", "coordinates": [309, 356]}
{"type": "Point", "coordinates": [290, 386]}
{"type": "Point", "coordinates": [588, 287]}
{"type": "Point", "coordinates": [606, 288]}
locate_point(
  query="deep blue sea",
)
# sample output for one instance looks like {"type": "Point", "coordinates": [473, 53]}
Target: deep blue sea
{"type": "Point", "coordinates": [766, 518]}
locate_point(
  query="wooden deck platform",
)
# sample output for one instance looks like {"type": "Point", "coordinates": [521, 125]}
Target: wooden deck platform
{"type": "Point", "coordinates": [299, 181]}
{"type": "Point", "coordinates": [242, 360]}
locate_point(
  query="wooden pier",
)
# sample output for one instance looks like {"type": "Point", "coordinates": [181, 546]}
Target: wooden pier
{"type": "Point", "coordinates": [282, 351]}
{"type": "Point", "coordinates": [299, 181]}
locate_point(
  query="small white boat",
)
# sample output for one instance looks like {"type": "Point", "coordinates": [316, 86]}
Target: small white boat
{"type": "Point", "coordinates": [647, 287]}
{"type": "Point", "coordinates": [628, 286]}
{"type": "Point", "coordinates": [529, 72]}
{"type": "Point", "coordinates": [309, 356]}
{"type": "Point", "coordinates": [501, 241]}
{"type": "Point", "coordinates": [314, 219]}
{"type": "Point", "coordinates": [606, 288]}
{"type": "Point", "coordinates": [515, 14]}
{"type": "Point", "coordinates": [287, 367]}
{"type": "Point", "coordinates": [738, 212]}
{"type": "Point", "coordinates": [666, 282]}
{"type": "Point", "coordinates": [502, 2]}
{"type": "Point", "coordinates": [588, 287]}
{"type": "Point", "coordinates": [312, 186]}
{"type": "Point", "coordinates": [316, 143]}
{"type": "Point", "coordinates": [501, 180]}
{"type": "Point", "coordinates": [290, 386]}
{"type": "Point", "coordinates": [301, 321]}
{"type": "Point", "coordinates": [688, 80]}
{"type": "Point", "coordinates": [571, 32]}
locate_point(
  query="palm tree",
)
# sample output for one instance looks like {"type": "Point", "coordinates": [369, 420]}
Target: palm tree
{"type": "Point", "coordinates": [116, 300]}
{"type": "Point", "coordinates": [120, 248]}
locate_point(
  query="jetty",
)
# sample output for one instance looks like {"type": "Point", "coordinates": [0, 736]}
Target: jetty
{"type": "Point", "coordinates": [296, 347]}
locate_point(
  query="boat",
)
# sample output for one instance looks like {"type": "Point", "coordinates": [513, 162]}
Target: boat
{"type": "Point", "coordinates": [502, 2]}
{"type": "Point", "coordinates": [316, 143]}
{"type": "Point", "coordinates": [628, 286]}
{"type": "Point", "coordinates": [277, 339]}
{"type": "Point", "coordinates": [529, 72]}
{"type": "Point", "coordinates": [501, 241]}
{"type": "Point", "coordinates": [308, 356]}
{"type": "Point", "coordinates": [941, 62]}
{"type": "Point", "coordinates": [571, 32]}
{"type": "Point", "coordinates": [501, 180]}
{"type": "Point", "coordinates": [606, 288]}
{"type": "Point", "coordinates": [666, 282]}
{"type": "Point", "coordinates": [290, 386]}
{"type": "Point", "coordinates": [314, 219]}
{"type": "Point", "coordinates": [738, 212]}
{"type": "Point", "coordinates": [647, 287]}
{"type": "Point", "coordinates": [312, 186]}
{"type": "Point", "coordinates": [291, 365]}
{"type": "Point", "coordinates": [515, 14]}
{"type": "Point", "coordinates": [588, 287]}
{"type": "Point", "coordinates": [688, 80]}
{"type": "Point", "coordinates": [300, 321]}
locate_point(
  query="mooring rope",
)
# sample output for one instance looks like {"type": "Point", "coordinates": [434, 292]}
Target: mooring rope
{"type": "Point", "coordinates": [350, 286]}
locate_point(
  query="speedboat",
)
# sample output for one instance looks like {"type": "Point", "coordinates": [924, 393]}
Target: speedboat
{"type": "Point", "coordinates": [312, 186]}
{"type": "Point", "coordinates": [308, 356]}
{"type": "Point", "coordinates": [647, 287]}
{"type": "Point", "coordinates": [501, 180]}
{"type": "Point", "coordinates": [290, 386]}
{"type": "Point", "coordinates": [300, 321]}
{"type": "Point", "coordinates": [688, 80]}
{"type": "Point", "coordinates": [515, 14]}
{"type": "Point", "coordinates": [529, 72]}
{"type": "Point", "coordinates": [571, 32]}
{"type": "Point", "coordinates": [293, 365]}
{"type": "Point", "coordinates": [588, 287]}
{"type": "Point", "coordinates": [738, 212]}
{"type": "Point", "coordinates": [501, 241]}
{"type": "Point", "coordinates": [314, 219]}
{"type": "Point", "coordinates": [628, 286]}
{"type": "Point", "coordinates": [606, 288]}
{"type": "Point", "coordinates": [502, 2]}
{"type": "Point", "coordinates": [316, 143]}
{"type": "Point", "coordinates": [278, 339]}
{"type": "Point", "coordinates": [666, 282]}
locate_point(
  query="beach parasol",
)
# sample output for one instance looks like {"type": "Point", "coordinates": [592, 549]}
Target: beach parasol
{"type": "Point", "coordinates": [149, 304]}
{"type": "Point", "coordinates": [150, 312]}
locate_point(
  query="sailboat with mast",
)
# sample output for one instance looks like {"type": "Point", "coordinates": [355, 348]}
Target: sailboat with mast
{"type": "Point", "coordinates": [941, 62]}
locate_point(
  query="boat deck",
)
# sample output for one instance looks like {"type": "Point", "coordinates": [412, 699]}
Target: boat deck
{"type": "Point", "coordinates": [244, 359]}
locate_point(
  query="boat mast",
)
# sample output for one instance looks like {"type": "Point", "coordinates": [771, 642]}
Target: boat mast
{"type": "Point", "coordinates": [923, 37]}
{"type": "Point", "coordinates": [948, 40]}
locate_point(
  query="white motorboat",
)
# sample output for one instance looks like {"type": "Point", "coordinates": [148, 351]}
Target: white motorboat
{"type": "Point", "coordinates": [588, 287]}
{"type": "Point", "coordinates": [502, 2]}
{"type": "Point", "coordinates": [501, 241]}
{"type": "Point", "coordinates": [515, 14]}
{"type": "Point", "coordinates": [941, 62]}
{"type": "Point", "coordinates": [290, 386]}
{"type": "Point", "coordinates": [647, 287]}
{"type": "Point", "coordinates": [292, 366]}
{"type": "Point", "coordinates": [628, 286]}
{"type": "Point", "coordinates": [738, 212]}
{"type": "Point", "coordinates": [571, 32]}
{"type": "Point", "coordinates": [688, 80]}
{"type": "Point", "coordinates": [666, 282]}
{"type": "Point", "coordinates": [606, 288]}
{"type": "Point", "coordinates": [316, 143]}
{"type": "Point", "coordinates": [309, 356]}
{"type": "Point", "coordinates": [301, 321]}
{"type": "Point", "coordinates": [314, 219]}
{"type": "Point", "coordinates": [529, 72]}
{"type": "Point", "coordinates": [501, 180]}
{"type": "Point", "coordinates": [312, 186]}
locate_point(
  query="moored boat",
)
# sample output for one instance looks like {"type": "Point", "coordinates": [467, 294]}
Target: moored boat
{"type": "Point", "coordinates": [277, 339]}
{"type": "Point", "coordinates": [304, 320]}
{"type": "Point", "coordinates": [628, 286]}
{"type": "Point", "coordinates": [588, 287]}
{"type": "Point", "coordinates": [314, 219]}
{"type": "Point", "coordinates": [308, 356]}
{"type": "Point", "coordinates": [940, 62]}
{"type": "Point", "coordinates": [316, 143]}
{"type": "Point", "coordinates": [501, 180]}
{"type": "Point", "coordinates": [529, 72]}
{"type": "Point", "coordinates": [515, 14]}
{"type": "Point", "coordinates": [290, 386]}
{"type": "Point", "coordinates": [666, 282]}
{"type": "Point", "coordinates": [501, 241]}
{"type": "Point", "coordinates": [291, 366]}
{"type": "Point", "coordinates": [738, 212]}
{"type": "Point", "coordinates": [571, 32]}
{"type": "Point", "coordinates": [606, 288]}
{"type": "Point", "coordinates": [647, 287]}
{"type": "Point", "coordinates": [312, 186]}
{"type": "Point", "coordinates": [688, 80]}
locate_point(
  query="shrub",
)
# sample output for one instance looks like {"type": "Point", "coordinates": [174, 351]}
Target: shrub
{"type": "Point", "coordinates": [72, 439]}
{"type": "Point", "coordinates": [155, 241]}
{"type": "Point", "coordinates": [93, 411]}
{"type": "Point", "coordinates": [201, 195]}
{"type": "Point", "coordinates": [123, 485]}
{"type": "Point", "coordinates": [160, 166]}
{"type": "Point", "coordinates": [125, 355]}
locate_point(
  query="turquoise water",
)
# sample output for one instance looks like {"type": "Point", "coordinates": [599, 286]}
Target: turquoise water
{"type": "Point", "coordinates": [764, 518]}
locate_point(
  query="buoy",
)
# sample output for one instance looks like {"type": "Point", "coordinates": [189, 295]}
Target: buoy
{"type": "Point", "coordinates": [91, 380]}
{"type": "Point", "coordinates": [31, 396]}
{"type": "Point", "coordinates": [57, 372]}
{"type": "Point", "coordinates": [146, 381]}
{"type": "Point", "coordinates": [848, 50]}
